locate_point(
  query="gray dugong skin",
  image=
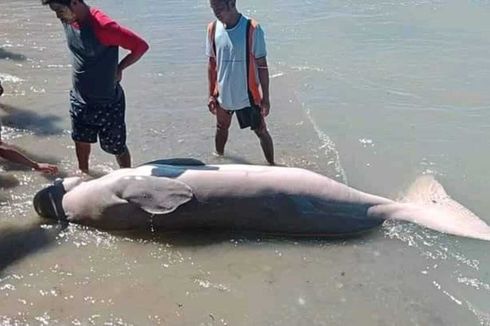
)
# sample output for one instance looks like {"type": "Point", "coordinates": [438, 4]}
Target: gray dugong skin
{"type": "Point", "coordinates": [264, 199]}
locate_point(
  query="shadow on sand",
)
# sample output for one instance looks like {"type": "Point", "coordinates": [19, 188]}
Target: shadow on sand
{"type": "Point", "coordinates": [18, 243]}
{"type": "Point", "coordinates": [8, 181]}
{"type": "Point", "coordinates": [7, 55]}
{"type": "Point", "coordinates": [206, 237]}
{"type": "Point", "coordinates": [25, 119]}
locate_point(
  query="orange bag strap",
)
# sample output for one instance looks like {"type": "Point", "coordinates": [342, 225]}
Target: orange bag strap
{"type": "Point", "coordinates": [212, 33]}
{"type": "Point", "coordinates": [212, 40]}
{"type": "Point", "coordinates": [253, 86]}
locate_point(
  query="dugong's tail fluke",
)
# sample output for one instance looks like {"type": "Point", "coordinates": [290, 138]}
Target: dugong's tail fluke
{"type": "Point", "coordinates": [427, 203]}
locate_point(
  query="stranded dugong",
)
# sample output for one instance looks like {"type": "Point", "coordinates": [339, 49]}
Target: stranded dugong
{"type": "Point", "coordinates": [183, 194]}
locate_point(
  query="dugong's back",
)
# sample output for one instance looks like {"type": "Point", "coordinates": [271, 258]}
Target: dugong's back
{"type": "Point", "coordinates": [274, 200]}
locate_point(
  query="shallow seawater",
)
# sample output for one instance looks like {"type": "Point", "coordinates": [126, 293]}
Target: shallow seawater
{"type": "Point", "coordinates": [370, 93]}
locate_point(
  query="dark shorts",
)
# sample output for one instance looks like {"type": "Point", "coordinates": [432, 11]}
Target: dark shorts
{"type": "Point", "coordinates": [247, 117]}
{"type": "Point", "coordinates": [105, 121]}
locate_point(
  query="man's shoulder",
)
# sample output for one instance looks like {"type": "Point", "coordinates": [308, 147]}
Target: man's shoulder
{"type": "Point", "coordinates": [212, 26]}
{"type": "Point", "coordinates": [100, 18]}
{"type": "Point", "coordinates": [254, 22]}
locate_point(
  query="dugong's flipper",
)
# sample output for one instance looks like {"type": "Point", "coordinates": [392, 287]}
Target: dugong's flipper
{"type": "Point", "coordinates": [427, 203]}
{"type": "Point", "coordinates": [155, 195]}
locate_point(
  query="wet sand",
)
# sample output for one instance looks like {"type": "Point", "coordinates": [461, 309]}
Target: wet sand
{"type": "Point", "coordinates": [397, 275]}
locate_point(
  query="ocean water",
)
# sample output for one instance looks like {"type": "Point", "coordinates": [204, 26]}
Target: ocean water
{"type": "Point", "coordinates": [371, 93]}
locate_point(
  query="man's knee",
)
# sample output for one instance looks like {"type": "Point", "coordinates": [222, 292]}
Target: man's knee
{"type": "Point", "coordinates": [262, 132]}
{"type": "Point", "coordinates": [223, 125]}
{"type": "Point", "coordinates": [223, 119]}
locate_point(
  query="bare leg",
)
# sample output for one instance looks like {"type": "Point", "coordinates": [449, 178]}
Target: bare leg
{"type": "Point", "coordinates": [220, 140]}
{"type": "Point", "coordinates": [83, 154]}
{"type": "Point", "coordinates": [266, 144]}
{"type": "Point", "coordinates": [223, 122]}
{"type": "Point", "coordinates": [124, 159]}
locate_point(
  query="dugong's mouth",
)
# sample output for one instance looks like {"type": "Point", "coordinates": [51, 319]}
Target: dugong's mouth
{"type": "Point", "coordinates": [48, 201]}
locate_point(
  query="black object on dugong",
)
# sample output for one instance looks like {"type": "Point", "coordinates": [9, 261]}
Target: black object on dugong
{"type": "Point", "coordinates": [48, 201]}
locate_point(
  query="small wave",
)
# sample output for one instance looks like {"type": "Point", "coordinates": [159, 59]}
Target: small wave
{"type": "Point", "coordinates": [473, 282]}
{"type": "Point", "coordinates": [81, 236]}
{"type": "Point", "coordinates": [10, 321]}
{"type": "Point", "coordinates": [9, 133]}
{"type": "Point", "coordinates": [37, 90]}
{"type": "Point", "coordinates": [10, 78]}
{"type": "Point", "coordinates": [483, 317]}
{"type": "Point", "coordinates": [307, 68]}
{"type": "Point", "coordinates": [277, 75]}
{"type": "Point", "coordinates": [207, 284]}
{"type": "Point", "coordinates": [366, 142]}
{"type": "Point", "coordinates": [452, 297]}
{"type": "Point", "coordinates": [329, 148]}
{"type": "Point", "coordinates": [59, 66]}
{"type": "Point", "coordinates": [431, 247]}
{"type": "Point", "coordinates": [402, 93]}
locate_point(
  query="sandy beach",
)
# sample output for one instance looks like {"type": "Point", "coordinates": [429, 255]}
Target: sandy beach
{"type": "Point", "coordinates": [370, 94]}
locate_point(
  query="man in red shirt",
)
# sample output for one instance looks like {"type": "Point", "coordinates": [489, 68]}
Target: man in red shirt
{"type": "Point", "coordinates": [97, 98]}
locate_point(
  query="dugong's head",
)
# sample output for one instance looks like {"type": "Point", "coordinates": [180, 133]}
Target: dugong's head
{"type": "Point", "coordinates": [48, 201]}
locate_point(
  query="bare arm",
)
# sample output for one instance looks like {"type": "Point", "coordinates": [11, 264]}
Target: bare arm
{"type": "Point", "coordinates": [13, 155]}
{"type": "Point", "coordinates": [112, 34]}
{"type": "Point", "coordinates": [212, 80]}
{"type": "Point", "coordinates": [264, 84]}
{"type": "Point", "coordinates": [132, 58]}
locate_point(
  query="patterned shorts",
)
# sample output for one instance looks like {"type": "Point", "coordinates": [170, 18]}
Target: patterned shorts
{"type": "Point", "coordinates": [103, 120]}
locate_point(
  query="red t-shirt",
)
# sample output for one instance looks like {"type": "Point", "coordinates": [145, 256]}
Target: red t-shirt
{"type": "Point", "coordinates": [110, 33]}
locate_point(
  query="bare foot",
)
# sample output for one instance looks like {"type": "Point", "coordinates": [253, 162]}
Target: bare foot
{"type": "Point", "coordinates": [84, 175]}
